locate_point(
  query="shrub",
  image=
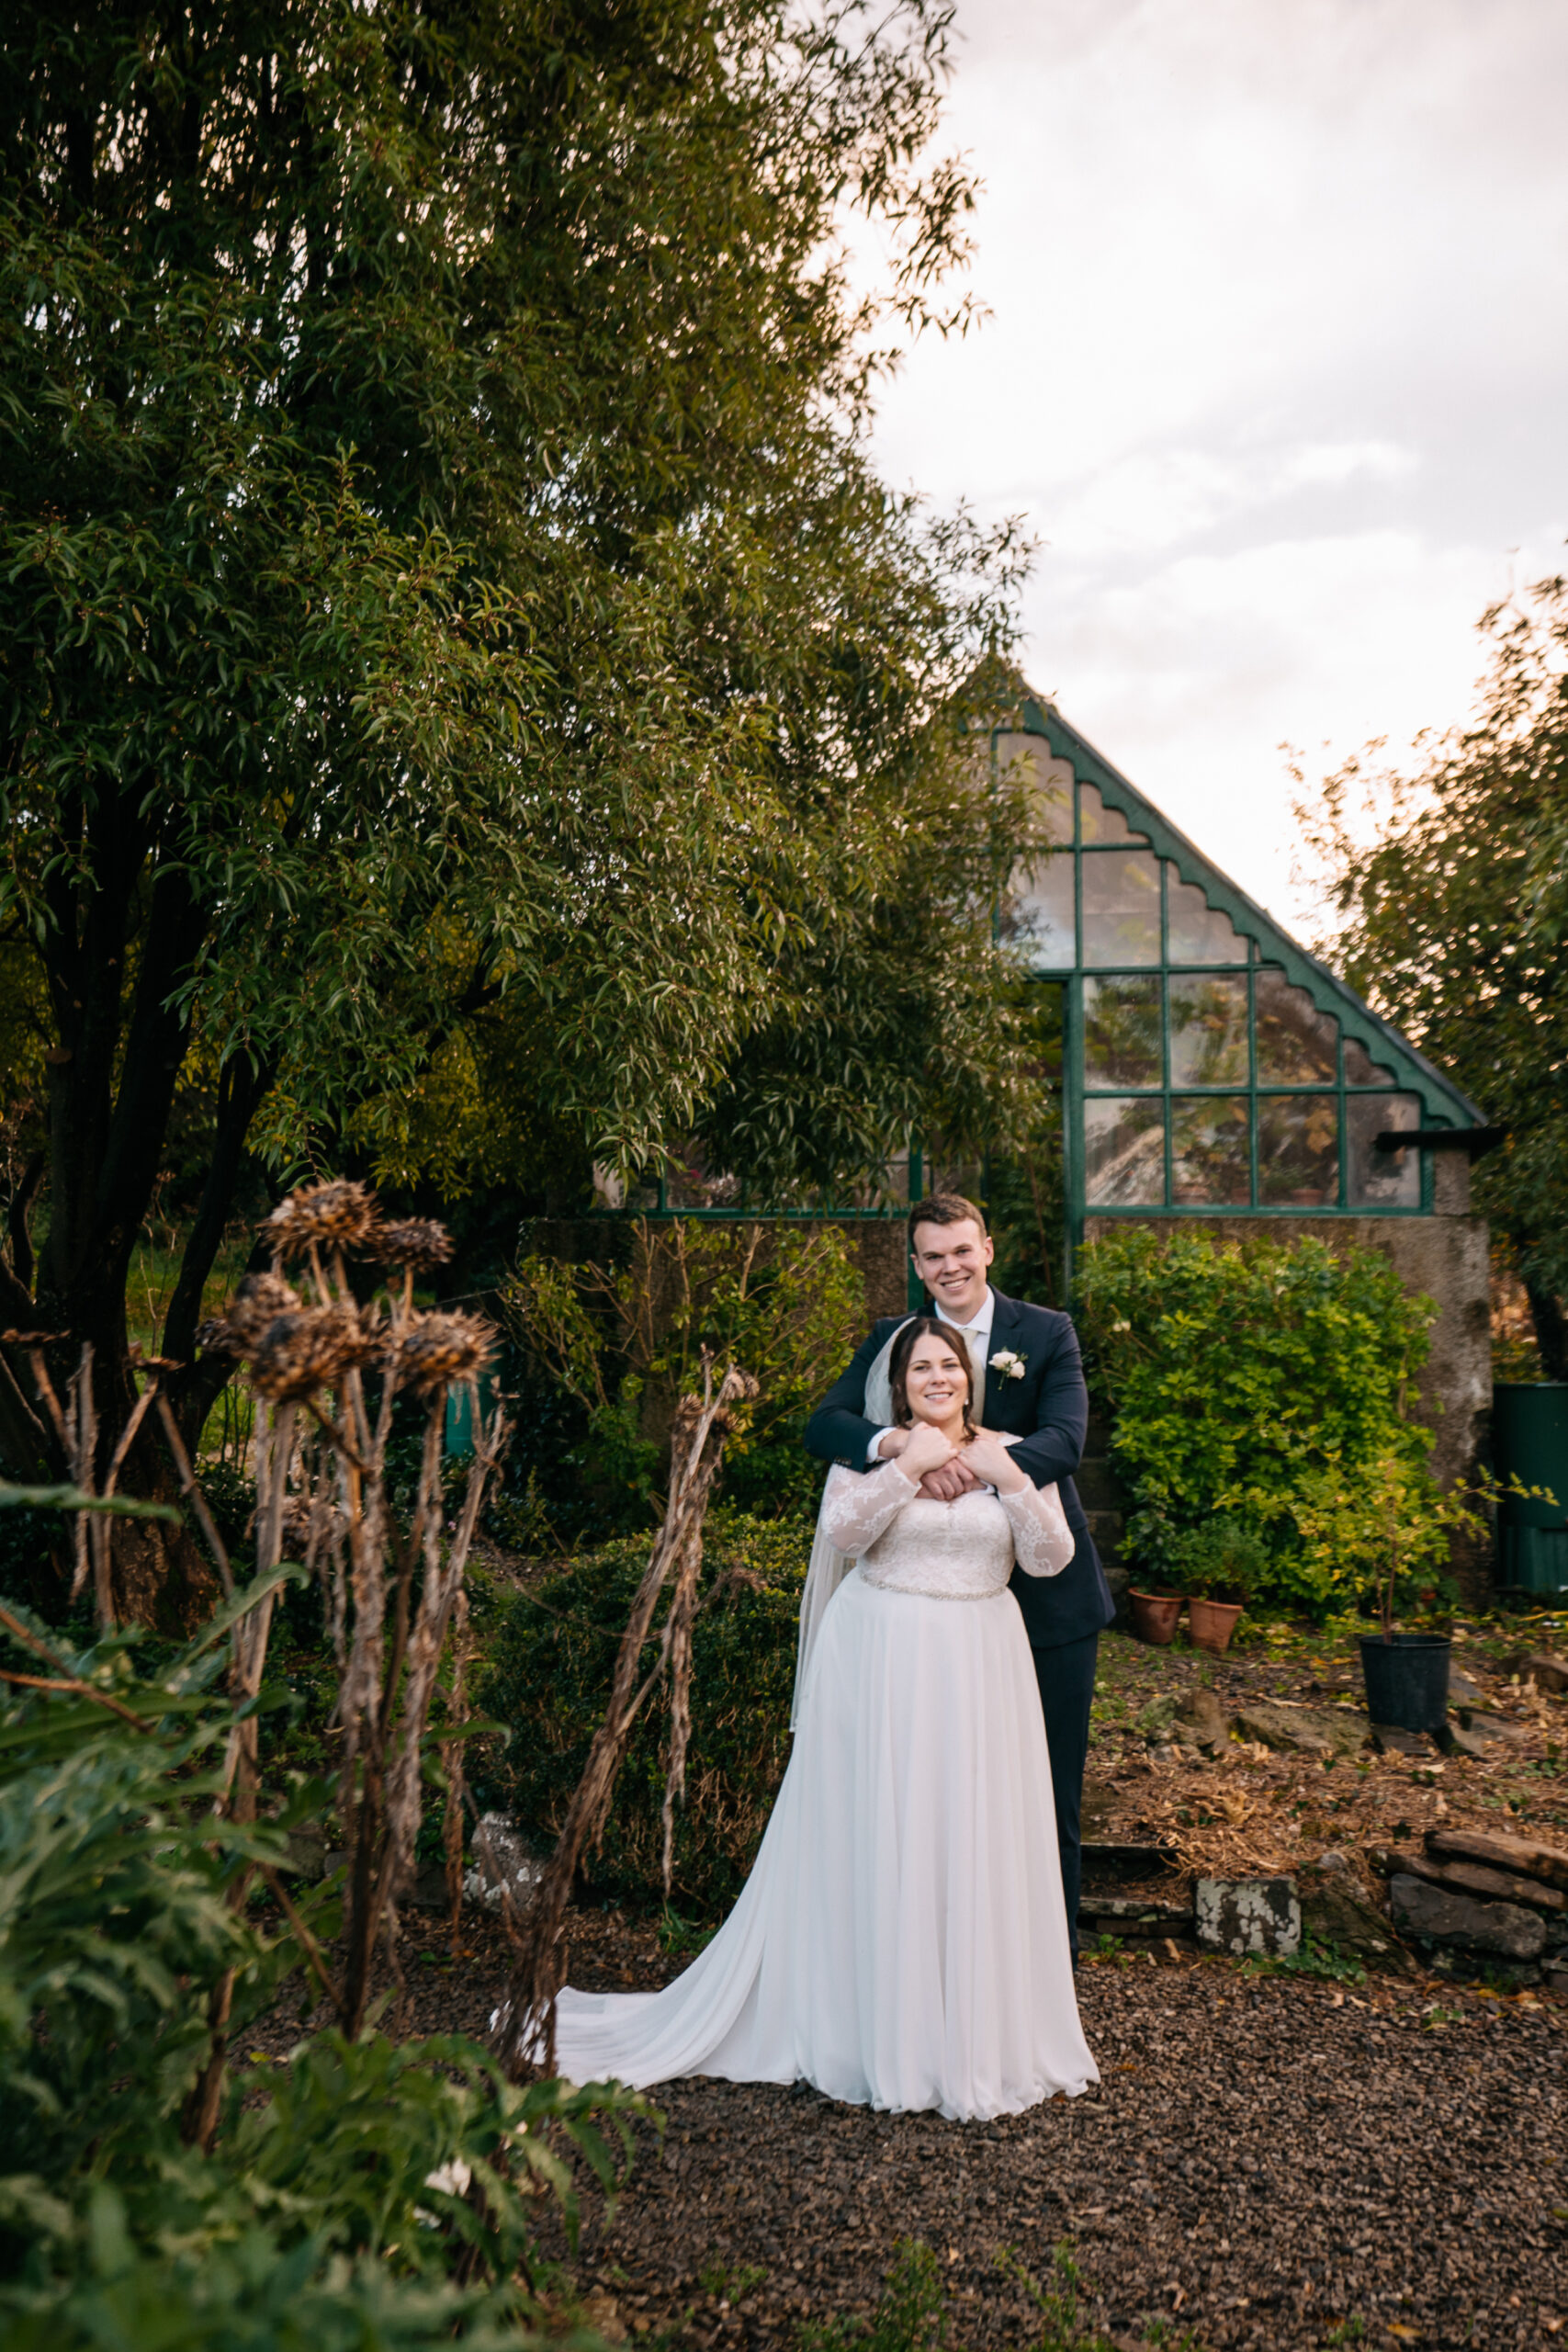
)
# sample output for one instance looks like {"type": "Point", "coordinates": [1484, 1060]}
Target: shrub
{"type": "Point", "coordinates": [1217, 1560]}
{"type": "Point", "coordinates": [358, 2193]}
{"type": "Point", "coordinates": [1240, 1378]}
{"type": "Point", "coordinates": [548, 1679]}
{"type": "Point", "coordinates": [621, 1344]}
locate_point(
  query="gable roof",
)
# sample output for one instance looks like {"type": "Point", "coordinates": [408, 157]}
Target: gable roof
{"type": "Point", "coordinates": [1444, 1105]}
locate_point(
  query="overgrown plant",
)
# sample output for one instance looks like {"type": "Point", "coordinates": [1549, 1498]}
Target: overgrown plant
{"type": "Point", "coordinates": [1220, 1559]}
{"type": "Point", "coordinates": [1388, 1530]}
{"type": "Point", "coordinates": [389, 1590]}
{"type": "Point", "coordinates": [524, 2030]}
{"type": "Point", "coordinates": [355, 2191]}
{"type": "Point", "coordinates": [551, 1659]}
{"type": "Point", "coordinates": [627, 1342]}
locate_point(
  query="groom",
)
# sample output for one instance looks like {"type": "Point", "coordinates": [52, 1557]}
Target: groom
{"type": "Point", "coordinates": [1028, 1383]}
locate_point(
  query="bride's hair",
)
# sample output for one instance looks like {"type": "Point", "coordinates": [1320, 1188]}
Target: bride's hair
{"type": "Point", "coordinates": [923, 1326]}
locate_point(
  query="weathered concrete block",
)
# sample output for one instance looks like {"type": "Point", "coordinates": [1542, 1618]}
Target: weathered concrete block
{"type": "Point", "coordinates": [502, 1869]}
{"type": "Point", "coordinates": [1248, 1915]}
{"type": "Point", "coordinates": [1501, 1928]}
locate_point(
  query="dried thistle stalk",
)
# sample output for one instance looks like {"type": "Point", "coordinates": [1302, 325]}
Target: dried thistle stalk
{"type": "Point", "coordinates": [525, 2029]}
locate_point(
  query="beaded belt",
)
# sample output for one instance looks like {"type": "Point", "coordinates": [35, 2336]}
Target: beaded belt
{"type": "Point", "coordinates": [928, 1591]}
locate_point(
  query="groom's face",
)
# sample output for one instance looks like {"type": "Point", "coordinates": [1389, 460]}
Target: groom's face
{"type": "Point", "coordinates": [953, 1261]}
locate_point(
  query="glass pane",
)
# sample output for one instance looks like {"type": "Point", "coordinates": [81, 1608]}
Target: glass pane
{"type": "Point", "coordinates": [1298, 1151]}
{"type": "Point", "coordinates": [1208, 1031]}
{"type": "Point", "coordinates": [1120, 1033]}
{"type": "Point", "coordinates": [1382, 1180]}
{"type": "Point", "coordinates": [1361, 1069]}
{"type": "Point", "coordinates": [1038, 911]}
{"type": "Point", "coordinates": [1052, 781]}
{"type": "Point", "coordinates": [1121, 908]}
{"type": "Point", "coordinates": [1124, 1151]}
{"type": "Point", "coordinates": [1099, 823]}
{"type": "Point", "coordinates": [1198, 933]}
{"type": "Point", "coordinates": [1211, 1157]}
{"type": "Point", "coordinates": [1295, 1042]}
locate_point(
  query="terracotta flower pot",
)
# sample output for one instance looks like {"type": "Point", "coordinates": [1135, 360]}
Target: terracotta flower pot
{"type": "Point", "coordinates": [1155, 1616]}
{"type": "Point", "coordinates": [1212, 1624]}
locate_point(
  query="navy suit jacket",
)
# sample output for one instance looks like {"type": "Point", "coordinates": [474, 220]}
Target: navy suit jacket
{"type": "Point", "coordinates": [1048, 1409]}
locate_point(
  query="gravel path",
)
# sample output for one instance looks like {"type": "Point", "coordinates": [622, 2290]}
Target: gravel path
{"type": "Point", "coordinates": [1267, 2162]}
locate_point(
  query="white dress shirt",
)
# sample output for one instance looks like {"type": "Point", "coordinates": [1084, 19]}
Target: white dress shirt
{"type": "Point", "coordinates": [978, 1341]}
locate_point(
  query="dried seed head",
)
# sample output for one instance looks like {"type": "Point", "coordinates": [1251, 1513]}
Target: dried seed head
{"type": "Point", "coordinates": [417, 1242]}
{"type": "Point", "coordinates": [437, 1351]}
{"type": "Point", "coordinates": [339, 1214]}
{"type": "Point", "coordinates": [306, 1351]}
{"type": "Point", "coordinates": [255, 1305]}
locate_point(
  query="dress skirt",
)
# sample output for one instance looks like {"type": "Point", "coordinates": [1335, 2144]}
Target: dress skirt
{"type": "Point", "coordinates": [901, 1942]}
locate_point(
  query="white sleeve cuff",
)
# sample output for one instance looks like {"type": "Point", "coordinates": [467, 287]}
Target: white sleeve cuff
{"type": "Point", "coordinates": [870, 1453]}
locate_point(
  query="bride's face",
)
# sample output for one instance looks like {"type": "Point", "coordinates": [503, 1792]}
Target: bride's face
{"type": "Point", "coordinates": [935, 1382]}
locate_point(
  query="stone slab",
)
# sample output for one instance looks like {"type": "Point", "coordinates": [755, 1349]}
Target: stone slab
{"type": "Point", "coordinates": [1543, 1667]}
{"type": "Point", "coordinates": [1248, 1915]}
{"type": "Point", "coordinates": [1475, 1877]}
{"type": "Point", "coordinates": [1393, 1739]}
{"type": "Point", "coordinates": [1309, 1731]}
{"type": "Point", "coordinates": [1422, 1909]}
{"type": "Point", "coordinates": [1201, 1722]}
{"type": "Point", "coordinates": [1531, 1857]}
{"type": "Point", "coordinates": [1335, 1911]}
{"type": "Point", "coordinates": [1135, 1914]}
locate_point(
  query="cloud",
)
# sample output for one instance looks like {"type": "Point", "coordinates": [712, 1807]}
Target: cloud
{"type": "Point", "coordinates": [1275, 367]}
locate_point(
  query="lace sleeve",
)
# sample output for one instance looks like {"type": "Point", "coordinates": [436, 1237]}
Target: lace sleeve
{"type": "Point", "coordinates": [857, 1505]}
{"type": "Point", "coordinates": [1041, 1537]}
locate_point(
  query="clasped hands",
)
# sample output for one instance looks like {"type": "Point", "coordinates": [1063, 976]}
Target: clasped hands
{"type": "Point", "coordinates": [946, 1470]}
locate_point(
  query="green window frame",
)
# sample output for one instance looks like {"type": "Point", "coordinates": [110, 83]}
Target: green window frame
{"type": "Point", "coordinates": [1260, 1102]}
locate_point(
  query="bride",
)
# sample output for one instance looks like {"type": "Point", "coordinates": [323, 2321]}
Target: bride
{"type": "Point", "coordinates": [901, 1941]}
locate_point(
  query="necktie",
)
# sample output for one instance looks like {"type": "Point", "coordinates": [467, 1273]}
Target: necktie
{"type": "Point", "coordinates": [974, 1342]}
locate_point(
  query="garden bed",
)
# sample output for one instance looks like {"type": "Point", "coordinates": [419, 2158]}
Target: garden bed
{"type": "Point", "coordinates": [1170, 1766]}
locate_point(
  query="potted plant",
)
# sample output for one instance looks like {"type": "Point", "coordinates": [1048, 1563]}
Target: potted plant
{"type": "Point", "coordinates": [1219, 1566]}
{"type": "Point", "coordinates": [1391, 1525]}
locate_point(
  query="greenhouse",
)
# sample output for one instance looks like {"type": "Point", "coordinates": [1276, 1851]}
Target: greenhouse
{"type": "Point", "coordinates": [1212, 1064]}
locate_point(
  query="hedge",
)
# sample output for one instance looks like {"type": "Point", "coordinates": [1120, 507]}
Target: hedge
{"type": "Point", "coordinates": [1246, 1381]}
{"type": "Point", "coordinates": [548, 1675]}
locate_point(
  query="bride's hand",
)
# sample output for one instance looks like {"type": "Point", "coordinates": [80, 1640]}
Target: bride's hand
{"type": "Point", "coordinates": [927, 1449]}
{"type": "Point", "coordinates": [993, 1464]}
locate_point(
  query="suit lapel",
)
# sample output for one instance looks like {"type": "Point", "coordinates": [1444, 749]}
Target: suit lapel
{"type": "Point", "coordinates": [1007, 1396]}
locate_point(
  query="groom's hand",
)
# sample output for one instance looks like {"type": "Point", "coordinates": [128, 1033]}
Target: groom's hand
{"type": "Point", "coordinates": [945, 1486]}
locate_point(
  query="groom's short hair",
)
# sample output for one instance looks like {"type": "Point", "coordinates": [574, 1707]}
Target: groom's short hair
{"type": "Point", "coordinates": [944, 1208]}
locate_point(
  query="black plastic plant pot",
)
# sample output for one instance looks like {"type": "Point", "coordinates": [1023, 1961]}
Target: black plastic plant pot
{"type": "Point", "coordinates": [1407, 1679]}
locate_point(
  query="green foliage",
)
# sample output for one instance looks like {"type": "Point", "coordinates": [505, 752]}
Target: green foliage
{"type": "Point", "coordinates": [1447, 889]}
{"type": "Point", "coordinates": [548, 1677]}
{"type": "Point", "coordinates": [912, 2312]}
{"type": "Point", "coordinates": [352, 2185]}
{"type": "Point", "coordinates": [784, 1302]}
{"type": "Point", "coordinates": [1322, 1960]}
{"type": "Point", "coordinates": [1219, 1559]}
{"type": "Point", "coordinates": [455, 637]}
{"type": "Point", "coordinates": [1270, 1385]}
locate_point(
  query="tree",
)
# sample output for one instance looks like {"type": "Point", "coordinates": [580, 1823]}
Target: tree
{"type": "Point", "coordinates": [1449, 888]}
{"type": "Point", "coordinates": [446, 609]}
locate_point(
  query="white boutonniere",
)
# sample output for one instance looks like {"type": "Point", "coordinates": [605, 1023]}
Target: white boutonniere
{"type": "Point", "coordinates": [1011, 1367]}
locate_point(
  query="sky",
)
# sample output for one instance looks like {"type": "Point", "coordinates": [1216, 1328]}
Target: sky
{"type": "Point", "coordinates": [1275, 369]}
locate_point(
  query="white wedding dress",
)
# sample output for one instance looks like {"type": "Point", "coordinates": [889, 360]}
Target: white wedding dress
{"type": "Point", "coordinates": [901, 1941]}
